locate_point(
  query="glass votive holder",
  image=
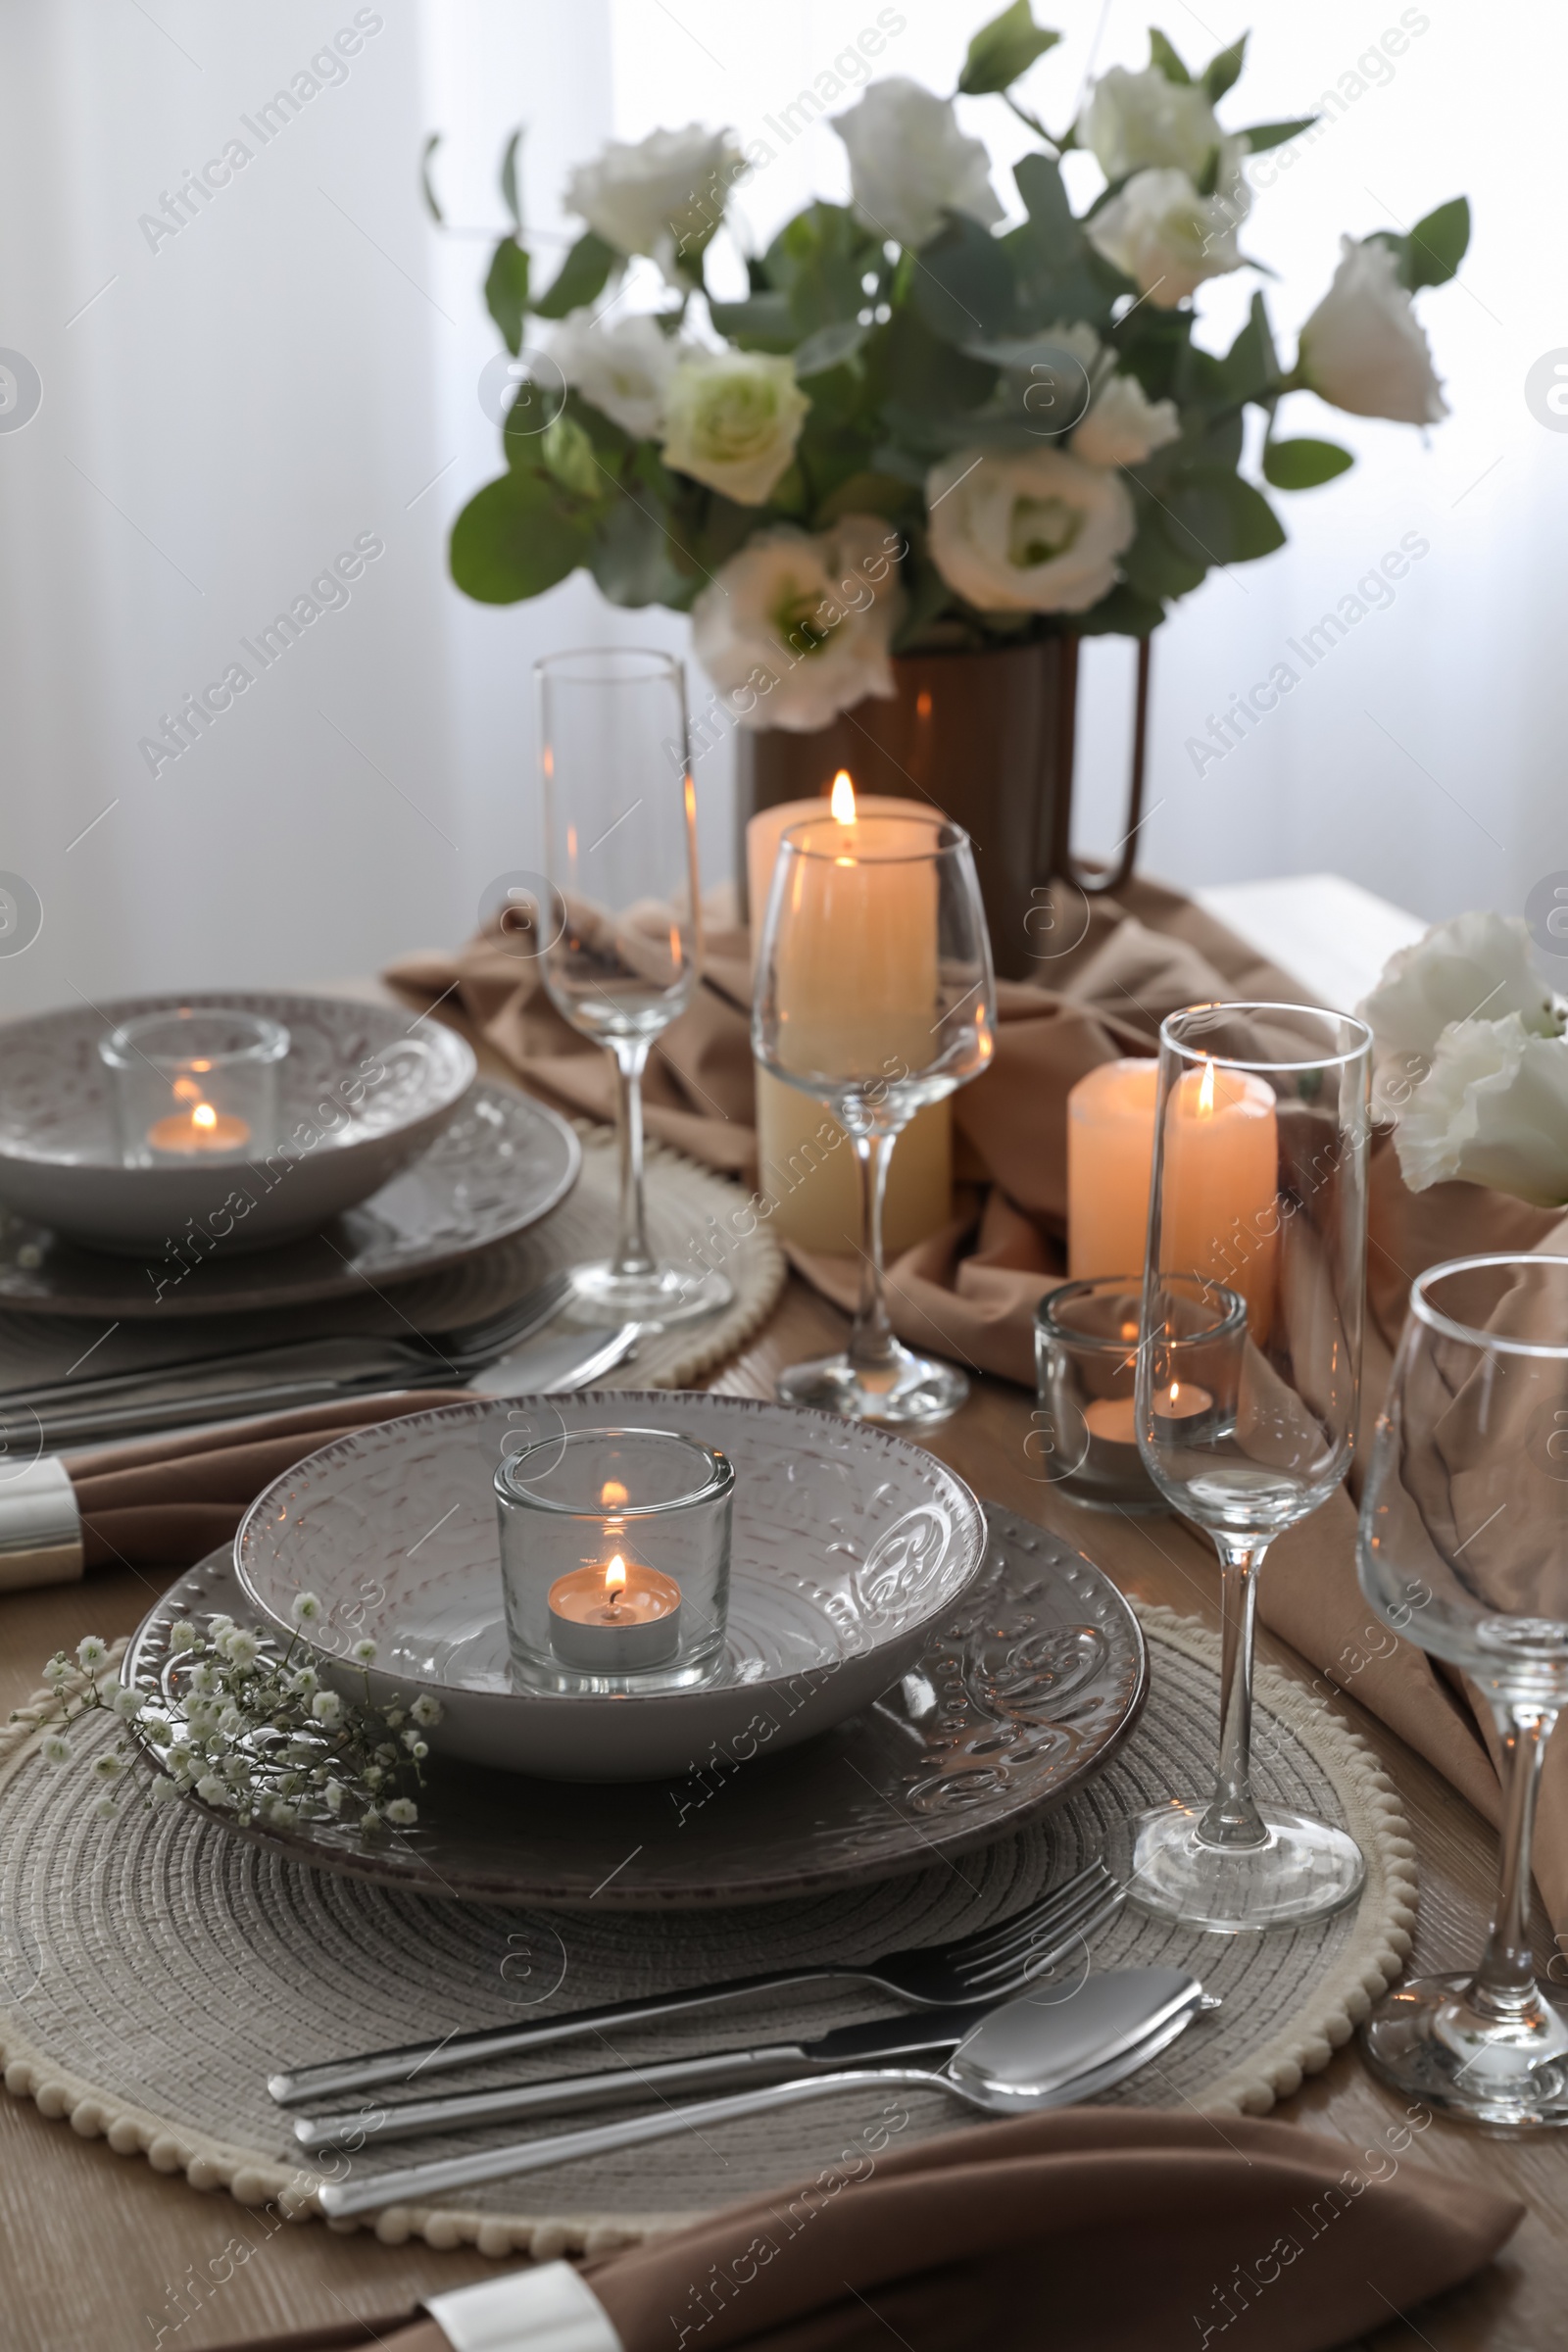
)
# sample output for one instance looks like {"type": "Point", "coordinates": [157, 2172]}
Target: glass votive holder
{"type": "Point", "coordinates": [1085, 1366]}
{"type": "Point", "coordinates": [614, 1560]}
{"type": "Point", "coordinates": [195, 1083]}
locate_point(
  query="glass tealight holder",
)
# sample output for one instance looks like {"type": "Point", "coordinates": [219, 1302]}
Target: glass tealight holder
{"type": "Point", "coordinates": [195, 1083]}
{"type": "Point", "coordinates": [1085, 1434]}
{"type": "Point", "coordinates": [614, 1560]}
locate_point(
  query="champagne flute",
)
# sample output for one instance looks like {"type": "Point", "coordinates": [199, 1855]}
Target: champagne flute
{"type": "Point", "coordinates": [1246, 1419]}
{"type": "Point", "coordinates": [624, 937]}
{"type": "Point", "coordinates": [875, 994]}
{"type": "Point", "coordinates": [1464, 1551]}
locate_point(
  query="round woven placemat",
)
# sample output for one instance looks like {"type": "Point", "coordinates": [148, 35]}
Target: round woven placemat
{"type": "Point", "coordinates": [155, 1971]}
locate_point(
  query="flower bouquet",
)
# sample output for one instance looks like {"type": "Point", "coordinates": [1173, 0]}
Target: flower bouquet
{"type": "Point", "coordinates": [925, 424]}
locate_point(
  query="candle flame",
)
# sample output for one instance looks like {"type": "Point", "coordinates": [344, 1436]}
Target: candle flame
{"type": "Point", "coordinates": [842, 803]}
{"type": "Point", "coordinates": [1205, 1093]}
{"type": "Point", "coordinates": [204, 1115]}
{"type": "Point", "coordinates": [614, 1580]}
{"type": "Point", "coordinates": [1175, 1393]}
{"type": "Point", "coordinates": [612, 1494]}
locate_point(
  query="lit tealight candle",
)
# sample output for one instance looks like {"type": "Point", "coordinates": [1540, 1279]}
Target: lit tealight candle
{"type": "Point", "coordinates": [197, 1130]}
{"type": "Point", "coordinates": [1183, 1402]}
{"type": "Point", "coordinates": [615, 1619]}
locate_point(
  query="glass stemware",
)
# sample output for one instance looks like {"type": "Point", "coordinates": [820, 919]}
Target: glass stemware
{"type": "Point", "coordinates": [875, 994]}
{"type": "Point", "coordinates": [1464, 1549]}
{"type": "Point", "coordinates": [1249, 1361]}
{"type": "Point", "coordinates": [622, 938]}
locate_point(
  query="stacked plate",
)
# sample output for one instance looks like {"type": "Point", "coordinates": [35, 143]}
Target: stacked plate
{"type": "Point", "coordinates": [899, 1677]}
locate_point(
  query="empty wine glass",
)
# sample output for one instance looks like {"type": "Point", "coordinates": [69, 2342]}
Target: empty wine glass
{"type": "Point", "coordinates": [1246, 1419]}
{"type": "Point", "coordinates": [1464, 1549]}
{"type": "Point", "coordinates": [622, 938]}
{"type": "Point", "coordinates": [875, 994]}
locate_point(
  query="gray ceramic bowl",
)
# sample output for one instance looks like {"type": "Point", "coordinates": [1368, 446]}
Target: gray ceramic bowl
{"type": "Point", "coordinates": [364, 1091]}
{"type": "Point", "coordinates": [849, 1546]}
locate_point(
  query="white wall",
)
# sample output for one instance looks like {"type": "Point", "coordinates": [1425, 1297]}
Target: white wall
{"type": "Point", "coordinates": [300, 364]}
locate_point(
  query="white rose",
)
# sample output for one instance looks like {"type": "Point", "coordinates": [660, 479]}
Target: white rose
{"type": "Point", "coordinates": [1027, 532]}
{"type": "Point", "coordinates": [732, 419]}
{"type": "Point", "coordinates": [909, 162]}
{"type": "Point", "coordinates": [1493, 1110]}
{"type": "Point", "coordinates": [814, 616]}
{"type": "Point", "coordinates": [622, 370]}
{"type": "Point", "coordinates": [663, 196]}
{"type": "Point", "coordinates": [1363, 349]}
{"type": "Point", "coordinates": [1166, 237]}
{"type": "Point", "coordinates": [1475, 968]}
{"type": "Point", "coordinates": [1124, 426]}
{"type": "Point", "coordinates": [1138, 122]}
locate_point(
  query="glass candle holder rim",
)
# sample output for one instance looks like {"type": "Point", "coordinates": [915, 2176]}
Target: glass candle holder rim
{"type": "Point", "coordinates": [119, 1049]}
{"type": "Point", "coordinates": [795, 843]}
{"type": "Point", "coordinates": [1134, 1285]}
{"type": "Point", "coordinates": [1198, 1286]}
{"type": "Point", "coordinates": [1488, 1342]}
{"type": "Point", "coordinates": [1197, 1057]}
{"type": "Point", "coordinates": [719, 1481]}
{"type": "Point", "coordinates": [618, 661]}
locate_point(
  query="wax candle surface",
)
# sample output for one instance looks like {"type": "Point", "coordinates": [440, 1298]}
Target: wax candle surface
{"type": "Point", "coordinates": [1111, 1153]}
{"type": "Point", "coordinates": [197, 1130]}
{"type": "Point", "coordinates": [610, 1619]}
{"type": "Point", "coordinates": [1219, 1209]}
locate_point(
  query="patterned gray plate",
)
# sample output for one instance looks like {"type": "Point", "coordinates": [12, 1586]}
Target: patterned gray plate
{"type": "Point", "coordinates": [504, 1162]}
{"type": "Point", "coordinates": [1018, 1700]}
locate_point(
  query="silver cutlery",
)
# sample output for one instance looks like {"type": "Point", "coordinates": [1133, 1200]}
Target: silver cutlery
{"type": "Point", "coordinates": [1030, 2054]}
{"type": "Point", "coordinates": [979, 1969]}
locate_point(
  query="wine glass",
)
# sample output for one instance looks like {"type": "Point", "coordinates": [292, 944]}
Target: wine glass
{"type": "Point", "coordinates": [1258, 1202]}
{"type": "Point", "coordinates": [623, 935]}
{"type": "Point", "coordinates": [875, 994]}
{"type": "Point", "coordinates": [1464, 1549]}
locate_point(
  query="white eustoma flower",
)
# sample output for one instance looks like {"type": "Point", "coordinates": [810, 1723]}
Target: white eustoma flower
{"type": "Point", "coordinates": [1363, 349]}
{"type": "Point", "coordinates": [732, 419]}
{"type": "Point", "coordinates": [1141, 121]}
{"type": "Point", "coordinates": [1166, 237]}
{"type": "Point", "coordinates": [795, 629]}
{"type": "Point", "coordinates": [1032, 531]}
{"type": "Point", "coordinates": [305, 1609]}
{"type": "Point", "coordinates": [1473, 967]}
{"type": "Point", "coordinates": [911, 165]}
{"type": "Point", "coordinates": [1491, 1110]}
{"type": "Point", "coordinates": [1124, 426]}
{"type": "Point", "coordinates": [663, 196]}
{"type": "Point", "coordinates": [622, 370]}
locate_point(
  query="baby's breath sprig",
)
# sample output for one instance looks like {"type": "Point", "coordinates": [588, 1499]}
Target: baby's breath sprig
{"type": "Point", "coordinates": [251, 1731]}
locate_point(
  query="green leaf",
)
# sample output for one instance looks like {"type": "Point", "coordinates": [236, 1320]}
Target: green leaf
{"type": "Point", "coordinates": [818, 260]}
{"type": "Point", "coordinates": [515, 539]}
{"type": "Point", "coordinates": [569, 455]}
{"type": "Point", "coordinates": [1250, 368]}
{"type": "Point", "coordinates": [509, 181]}
{"type": "Point", "coordinates": [1303, 464]}
{"type": "Point", "coordinates": [632, 561]}
{"type": "Point", "coordinates": [1221, 520]}
{"type": "Point", "coordinates": [866, 492]}
{"type": "Point", "coordinates": [1039, 183]}
{"type": "Point", "coordinates": [762, 323]}
{"type": "Point", "coordinates": [1162, 55]}
{"type": "Point", "coordinates": [964, 288]}
{"type": "Point", "coordinates": [1222, 73]}
{"type": "Point", "coordinates": [430, 146]}
{"type": "Point", "coordinates": [1124, 612]}
{"type": "Point", "coordinates": [1154, 566]}
{"type": "Point", "coordinates": [1005, 49]}
{"type": "Point", "coordinates": [1436, 245]}
{"type": "Point", "coordinates": [581, 278]}
{"type": "Point", "coordinates": [1263, 136]}
{"type": "Point", "coordinates": [506, 291]}
{"type": "Point", "coordinates": [831, 347]}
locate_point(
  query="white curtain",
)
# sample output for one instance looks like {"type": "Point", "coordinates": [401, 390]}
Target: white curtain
{"type": "Point", "coordinates": [285, 375]}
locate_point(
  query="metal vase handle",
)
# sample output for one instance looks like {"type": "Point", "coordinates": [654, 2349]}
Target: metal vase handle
{"type": "Point", "coordinates": [1063, 861]}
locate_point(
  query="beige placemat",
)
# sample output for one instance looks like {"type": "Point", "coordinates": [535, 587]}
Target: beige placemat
{"type": "Point", "coordinates": [152, 1974]}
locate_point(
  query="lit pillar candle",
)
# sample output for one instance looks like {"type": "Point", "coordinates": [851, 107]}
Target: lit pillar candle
{"type": "Point", "coordinates": [1219, 1208]}
{"type": "Point", "coordinates": [807, 1166]}
{"type": "Point", "coordinates": [1111, 1153]}
{"type": "Point", "coordinates": [614, 1619]}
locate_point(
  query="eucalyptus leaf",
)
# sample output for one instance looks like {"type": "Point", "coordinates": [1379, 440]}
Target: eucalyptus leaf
{"type": "Point", "coordinates": [515, 538]}
{"type": "Point", "coordinates": [831, 347]}
{"type": "Point", "coordinates": [630, 558]}
{"type": "Point", "coordinates": [1222, 519]}
{"type": "Point", "coordinates": [1303, 464]}
{"type": "Point", "coordinates": [506, 291]}
{"type": "Point", "coordinates": [963, 288]}
{"type": "Point", "coordinates": [1124, 612]}
{"type": "Point", "coordinates": [581, 278]}
{"type": "Point", "coordinates": [1162, 55]}
{"type": "Point", "coordinates": [1005, 49]}
{"type": "Point", "coordinates": [818, 260]}
{"type": "Point", "coordinates": [762, 323]}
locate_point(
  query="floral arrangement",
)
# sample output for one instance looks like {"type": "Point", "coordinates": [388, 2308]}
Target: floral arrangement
{"type": "Point", "coordinates": [1472, 1062]}
{"type": "Point", "coordinates": [921, 427]}
{"type": "Point", "coordinates": [257, 1735]}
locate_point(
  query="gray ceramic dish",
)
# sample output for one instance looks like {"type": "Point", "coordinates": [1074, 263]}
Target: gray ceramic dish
{"type": "Point", "coordinates": [362, 1092]}
{"type": "Point", "coordinates": [1019, 1697]}
{"type": "Point", "coordinates": [849, 1545]}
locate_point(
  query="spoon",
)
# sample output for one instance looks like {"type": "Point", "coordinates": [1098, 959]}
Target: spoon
{"type": "Point", "coordinates": [1046, 2049]}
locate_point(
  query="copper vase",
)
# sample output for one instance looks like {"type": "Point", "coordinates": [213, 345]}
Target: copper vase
{"type": "Point", "coordinates": [987, 737]}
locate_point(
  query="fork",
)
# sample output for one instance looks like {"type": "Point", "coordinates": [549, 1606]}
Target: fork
{"type": "Point", "coordinates": [976, 1971]}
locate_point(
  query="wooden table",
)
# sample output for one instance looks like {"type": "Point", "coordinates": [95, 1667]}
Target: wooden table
{"type": "Point", "coordinates": [96, 2248]}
